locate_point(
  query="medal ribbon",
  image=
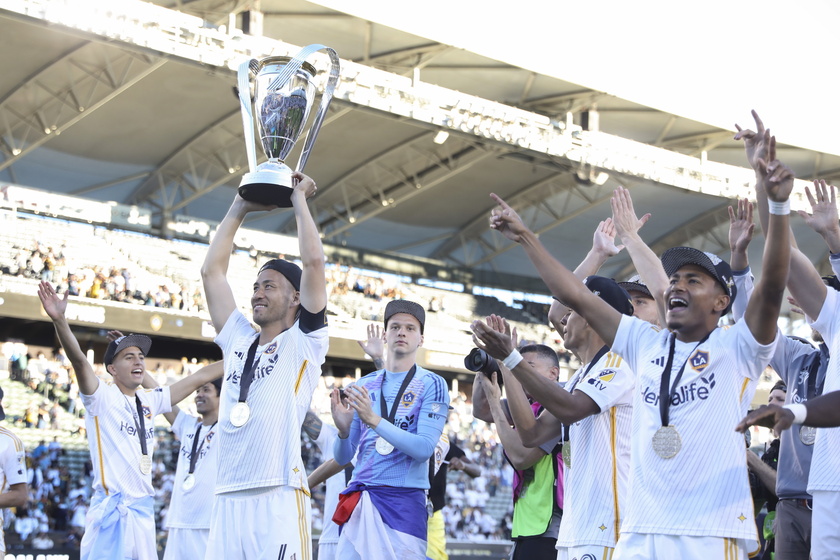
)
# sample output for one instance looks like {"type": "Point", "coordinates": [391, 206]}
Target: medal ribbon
{"type": "Point", "coordinates": [664, 393]}
{"type": "Point", "coordinates": [592, 363]}
{"type": "Point", "coordinates": [141, 428]}
{"type": "Point", "coordinates": [383, 406]}
{"type": "Point", "coordinates": [248, 372]}
{"type": "Point", "coordinates": [196, 449]}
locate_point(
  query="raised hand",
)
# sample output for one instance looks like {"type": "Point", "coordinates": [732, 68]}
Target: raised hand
{"type": "Point", "coordinates": [754, 142]}
{"type": "Point", "coordinates": [54, 305]}
{"type": "Point", "coordinates": [776, 176]}
{"type": "Point", "coordinates": [624, 215]}
{"type": "Point", "coordinates": [603, 240]}
{"type": "Point", "coordinates": [303, 184]}
{"type": "Point", "coordinates": [823, 216]}
{"type": "Point", "coordinates": [342, 413]}
{"type": "Point", "coordinates": [113, 335]}
{"type": "Point", "coordinates": [498, 344]}
{"type": "Point", "coordinates": [741, 226]}
{"type": "Point", "coordinates": [374, 346]}
{"type": "Point", "coordinates": [506, 221]}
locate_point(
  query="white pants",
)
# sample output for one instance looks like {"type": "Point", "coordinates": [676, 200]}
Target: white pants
{"type": "Point", "coordinates": [639, 546]}
{"type": "Point", "coordinates": [262, 524]}
{"type": "Point", "coordinates": [186, 543]}
{"type": "Point", "coordinates": [825, 519]}
{"type": "Point", "coordinates": [588, 552]}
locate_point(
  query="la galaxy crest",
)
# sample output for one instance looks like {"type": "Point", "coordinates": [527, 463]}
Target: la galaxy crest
{"type": "Point", "coordinates": [699, 360]}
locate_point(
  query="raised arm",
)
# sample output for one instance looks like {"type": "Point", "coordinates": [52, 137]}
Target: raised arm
{"type": "Point", "coordinates": [819, 412]}
{"type": "Point", "coordinates": [645, 261]}
{"type": "Point", "coordinates": [374, 346]}
{"type": "Point", "coordinates": [217, 290]}
{"type": "Point", "coordinates": [188, 385]}
{"type": "Point", "coordinates": [603, 247]}
{"type": "Point", "coordinates": [823, 216]}
{"type": "Point", "coordinates": [313, 281]}
{"type": "Point", "coordinates": [520, 457]}
{"type": "Point", "coordinates": [566, 407]}
{"type": "Point", "coordinates": [741, 229]}
{"type": "Point", "coordinates": [763, 308]}
{"type": "Point", "coordinates": [562, 283]}
{"type": "Point", "coordinates": [55, 307]}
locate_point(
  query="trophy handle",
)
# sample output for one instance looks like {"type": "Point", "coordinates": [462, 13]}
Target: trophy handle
{"type": "Point", "coordinates": [244, 86]}
{"type": "Point", "coordinates": [287, 73]}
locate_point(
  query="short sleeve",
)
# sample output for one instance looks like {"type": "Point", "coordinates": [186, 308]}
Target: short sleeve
{"type": "Point", "coordinates": [14, 461]}
{"type": "Point", "coordinates": [610, 384]}
{"type": "Point", "coordinates": [95, 402]}
{"type": "Point", "coordinates": [826, 323]}
{"type": "Point", "coordinates": [182, 421]}
{"type": "Point", "coordinates": [747, 349]}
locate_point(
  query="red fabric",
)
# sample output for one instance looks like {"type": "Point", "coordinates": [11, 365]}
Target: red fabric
{"type": "Point", "coordinates": [346, 505]}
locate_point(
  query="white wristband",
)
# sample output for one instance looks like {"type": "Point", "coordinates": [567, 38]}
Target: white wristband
{"type": "Point", "coordinates": [779, 208]}
{"type": "Point", "coordinates": [800, 412]}
{"type": "Point", "coordinates": [512, 359]}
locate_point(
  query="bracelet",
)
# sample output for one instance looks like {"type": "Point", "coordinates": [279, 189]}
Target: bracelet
{"type": "Point", "coordinates": [800, 412]}
{"type": "Point", "coordinates": [779, 208]}
{"type": "Point", "coordinates": [512, 359]}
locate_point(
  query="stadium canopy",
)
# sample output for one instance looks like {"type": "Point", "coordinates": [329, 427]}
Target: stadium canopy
{"type": "Point", "coordinates": [550, 106]}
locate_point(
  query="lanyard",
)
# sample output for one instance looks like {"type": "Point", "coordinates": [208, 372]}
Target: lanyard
{"type": "Point", "coordinates": [383, 406]}
{"type": "Point", "coordinates": [604, 349]}
{"type": "Point", "coordinates": [248, 372]}
{"type": "Point", "coordinates": [664, 393]}
{"type": "Point", "coordinates": [196, 449]}
{"type": "Point", "coordinates": [139, 423]}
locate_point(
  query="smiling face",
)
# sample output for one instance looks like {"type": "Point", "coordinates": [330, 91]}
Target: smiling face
{"type": "Point", "coordinates": [274, 299]}
{"type": "Point", "coordinates": [694, 302]}
{"type": "Point", "coordinates": [207, 399]}
{"type": "Point", "coordinates": [128, 368]}
{"type": "Point", "coordinates": [402, 334]}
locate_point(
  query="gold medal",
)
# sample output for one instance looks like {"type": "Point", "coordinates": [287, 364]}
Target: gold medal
{"type": "Point", "coordinates": [807, 435]}
{"type": "Point", "coordinates": [189, 482]}
{"type": "Point", "coordinates": [566, 452]}
{"type": "Point", "coordinates": [383, 447]}
{"type": "Point", "coordinates": [239, 414]}
{"type": "Point", "coordinates": [667, 442]}
{"type": "Point", "coordinates": [145, 464]}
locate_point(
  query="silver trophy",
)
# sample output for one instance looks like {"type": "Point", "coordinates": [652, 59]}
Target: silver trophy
{"type": "Point", "coordinates": [284, 93]}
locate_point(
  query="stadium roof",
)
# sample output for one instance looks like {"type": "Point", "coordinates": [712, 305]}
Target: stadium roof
{"type": "Point", "coordinates": [124, 101]}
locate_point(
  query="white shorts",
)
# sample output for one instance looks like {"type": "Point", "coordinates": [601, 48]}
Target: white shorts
{"type": "Point", "coordinates": [262, 524]}
{"type": "Point", "coordinates": [825, 538]}
{"type": "Point", "coordinates": [642, 546]}
{"type": "Point", "coordinates": [585, 553]}
{"type": "Point", "coordinates": [186, 543]}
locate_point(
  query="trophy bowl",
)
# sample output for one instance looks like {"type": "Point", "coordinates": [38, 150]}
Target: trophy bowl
{"type": "Point", "coordinates": [281, 112]}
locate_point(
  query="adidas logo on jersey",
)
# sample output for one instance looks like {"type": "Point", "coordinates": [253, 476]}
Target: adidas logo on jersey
{"type": "Point", "coordinates": [685, 394]}
{"type": "Point", "coordinates": [660, 361]}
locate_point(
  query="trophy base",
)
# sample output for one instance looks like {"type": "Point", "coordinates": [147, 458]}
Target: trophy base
{"type": "Point", "coordinates": [267, 187]}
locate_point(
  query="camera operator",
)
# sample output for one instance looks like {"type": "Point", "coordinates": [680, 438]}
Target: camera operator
{"type": "Point", "coordinates": [538, 479]}
{"type": "Point", "coordinates": [597, 406]}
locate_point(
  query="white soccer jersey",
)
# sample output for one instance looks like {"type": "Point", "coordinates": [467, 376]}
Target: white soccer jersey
{"type": "Point", "coordinates": [191, 509]}
{"type": "Point", "coordinates": [111, 423]}
{"type": "Point", "coordinates": [595, 485]}
{"type": "Point", "coordinates": [334, 485]}
{"type": "Point", "coordinates": [266, 450]}
{"type": "Point", "coordinates": [825, 463]}
{"type": "Point", "coordinates": [703, 490]}
{"type": "Point", "coordinates": [12, 468]}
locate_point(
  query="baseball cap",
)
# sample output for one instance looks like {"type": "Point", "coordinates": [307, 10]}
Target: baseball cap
{"type": "Point", "coordinates": [608, 290]}
{"type": "Point", "coordinates": [291, 271]}
{"type": "Point", "coordinates": [635, 284]}
{"type": "Point", "coordinates": [2, 412]}
{"type": "Point", "coordinates": [141, 341]}
{"type": "Point", "coordinates": [677, 257]}
{"type": "Point", "coordinates": [404, 306]}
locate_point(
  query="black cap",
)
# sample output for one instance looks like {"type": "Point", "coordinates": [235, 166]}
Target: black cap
{"type": "Point", "coordinates": [141, 341]}
{"type": "Point", "coordinates": [832, 282]}
{"type": "Point", "coordinates": [635, 284]}
{"type": "Point", "coordinates": [608, 290]}
{"type": "Point", "coordinates": [404, 306]}
{"type": "Point", "coordinates": [2, 412]}
{"type": "Point", "coordinates": [677, 257]}
{"type": "Point", "coordinates": [290, 270]}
